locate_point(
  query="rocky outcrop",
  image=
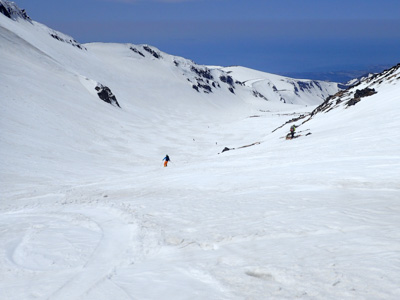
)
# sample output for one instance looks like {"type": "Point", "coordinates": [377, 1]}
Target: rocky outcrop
{"type": "Point", "coordinates": [353, 95]}
{"type": "Point", "coordinates": [241, 147]}
{"type": "Point", "coordinates": [137, 51]}
{"type": "Point", "coordinates": [204, 79]}
{"type": "Point", "coordinates": [106, 95]}
{"type": "Point", "coordinates": [227, 79]}
{"type": "Point", "coordinates": [154, 53]}
{"type": "Point", "coordinates": [257, 94]}
{"type": "Point", "coordinates": [360, 94]}
{"type": "Point", "coordinates": [67, 40]}
{"type": "Point", "coordinates": [12, 11]}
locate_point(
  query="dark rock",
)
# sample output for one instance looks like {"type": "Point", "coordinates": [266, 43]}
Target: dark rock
{"type": "Point", "coordinates": [55, 36]}
{"type": "Point", "coordinates": [318, 85]}
{"type": "Point", "coordinates": [137, 51]}
{"type": "Point", "coordinates": [72, 42]}
{"type": "Point", "coordinates": [4, 11]}
{"type": "Point", "coordinates": [364, 93]}
{"type": "Point", "coordinates": [201, 84]}
{"type": "Point", "coordinates": [152, 52]}
{"type": "Point", "coordinates": [304, 86]}
{"type": "Point", "coordinates": [258, 94]}
{"type": "Point", "coordinates": [227, 79]}
{"type": "Point", "coordinates": [206, 88]}
{"type": "Point", "coordinates": [241, 147]}
{"type": "Point", "coordinates": [106, 95]}
{"type": "Point", "coordinates": [202, 73]}
{"type": "Point", "coordinates": [353, 101]}
{"type": "Point", "coordinates": [360, 94]}
{"type": "Point", "coordinates": [12, 11]}
{"type": "Point", "coordinates": [253, 144]}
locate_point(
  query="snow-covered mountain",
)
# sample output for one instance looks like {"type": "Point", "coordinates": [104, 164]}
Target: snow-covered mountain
{"type": "Point", "coordinates": [279, 88]}
{"type": "Point", "coordinates": [12, 11]}
{"type": "Point", "coordinates": [357, 80]}
{"type": "Point", "coordinates": [366, 89]}
{"type": "Point", "coordinates": [88, 212]}
{"type": "Point", "coordinates": [367, 86]}
{"type": "Point", "coordinates": [60, 75]}
{"type": "Point", "coordinates": [201, 79]}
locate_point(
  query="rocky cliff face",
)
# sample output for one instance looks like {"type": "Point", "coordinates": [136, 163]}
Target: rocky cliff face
{"type": "Point", "coordinates": [12, 11]}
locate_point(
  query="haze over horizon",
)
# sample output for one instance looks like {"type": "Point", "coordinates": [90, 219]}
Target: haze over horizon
{"type": "Point", "coordinates": [281, 37]}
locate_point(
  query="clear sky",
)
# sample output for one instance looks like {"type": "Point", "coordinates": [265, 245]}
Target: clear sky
{"type": "Point", "coordinates": [277, 36]}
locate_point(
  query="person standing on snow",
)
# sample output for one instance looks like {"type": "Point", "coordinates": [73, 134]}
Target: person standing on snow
{"type": "Point", "coordinates": [292, 130]}
{"type": "Point", "coordinates": [166, 160]}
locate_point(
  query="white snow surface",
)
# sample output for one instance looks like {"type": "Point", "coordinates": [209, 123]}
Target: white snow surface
{"type": "Point", "coordinates": [88, 212]}
{"type": "Point", "coordinates": [284, 89]}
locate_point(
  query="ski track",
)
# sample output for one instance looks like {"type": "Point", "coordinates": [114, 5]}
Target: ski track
{"type": "Point", "coordinates": [112, 242]}
{"type": "Point", "coordinates": [100, 264]}
{"type": "Point", "coordinates": [97, 240]}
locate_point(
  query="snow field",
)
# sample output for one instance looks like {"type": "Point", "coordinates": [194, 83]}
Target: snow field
{"type": "Point", "coordinates": [88, 212]}
{"type": "Point", "coordinates": [265, 220]}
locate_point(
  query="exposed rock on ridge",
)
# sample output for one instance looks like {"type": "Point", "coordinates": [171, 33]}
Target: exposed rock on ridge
{"type": "Point", "coordinates": [353, 95]}
{"type": "Point", "coordinates": [12, 11]}
{"type": "Point", "coordinates": [106, 95]}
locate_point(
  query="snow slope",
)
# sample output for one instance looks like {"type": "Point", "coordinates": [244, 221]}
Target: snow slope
{"type": "Point", "coordinates": [88, 212]}
{"type": "Point", "coordinates": [284, 89]}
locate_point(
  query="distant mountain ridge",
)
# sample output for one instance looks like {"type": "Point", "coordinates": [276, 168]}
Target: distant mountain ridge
{"type": "Point", "coordinates": [201, 79]}
{"type": "Point", "coordinates": [341, 76]}
{"type": "Point", "coordinates": [280, 88]}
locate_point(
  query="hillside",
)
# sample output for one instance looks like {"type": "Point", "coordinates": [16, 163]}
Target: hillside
{"type": "Point", "coordinates": [278, 88]}
{"type": "Point", "coordinates": [51, 80]}
{"type": "Point", "coordinates": [88, 212]}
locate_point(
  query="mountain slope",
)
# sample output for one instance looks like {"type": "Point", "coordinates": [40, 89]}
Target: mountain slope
{"type": "Point", "coordinates": [372, 100]}
{"type": "Point", "coordinates": [88, 212]}
{"type": "Point", "coordinates": [59, 96]}
{"type": "Point", "coordinates": [284, 89]}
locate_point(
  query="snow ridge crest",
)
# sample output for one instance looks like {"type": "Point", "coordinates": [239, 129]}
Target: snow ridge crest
{"type": "Point", "coordinates": [12, 11]}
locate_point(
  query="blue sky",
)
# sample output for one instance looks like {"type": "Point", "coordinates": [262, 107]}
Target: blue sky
{"type": "Point", "coordinates": [277, 36]}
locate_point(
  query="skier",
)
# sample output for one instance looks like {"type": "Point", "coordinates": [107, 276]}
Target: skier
{"type": "Point", "coordinates": [166, 160]}
{"type": "Point", "coordinates": [292, 130]}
